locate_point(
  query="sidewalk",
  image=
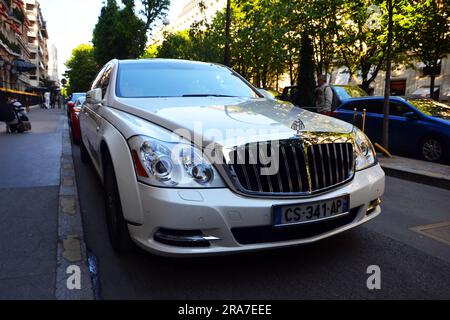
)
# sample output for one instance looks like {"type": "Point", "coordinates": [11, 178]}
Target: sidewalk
{"type": "Point", "coordinates": [430, 173]}
{"type": "Point", "coordinates": [30, 184]}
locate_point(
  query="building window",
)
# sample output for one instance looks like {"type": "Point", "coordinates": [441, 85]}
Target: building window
{"type": "Point", "coordinates": [398, 87]}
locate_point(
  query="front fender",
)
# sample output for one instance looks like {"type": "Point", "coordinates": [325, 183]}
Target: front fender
{"type": "Point", "coordinates": [125, 174]}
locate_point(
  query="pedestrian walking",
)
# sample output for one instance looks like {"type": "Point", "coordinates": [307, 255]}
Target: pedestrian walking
{"type": "Point", "coordinates": [324, 96]}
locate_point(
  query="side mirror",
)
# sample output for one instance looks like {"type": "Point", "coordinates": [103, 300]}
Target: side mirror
{"type": "Point", "coordinates": [94, 96]}
{"type": "Point", "coordinates": [410, 116]}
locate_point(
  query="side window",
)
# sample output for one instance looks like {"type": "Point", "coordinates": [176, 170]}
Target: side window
{"type": "Point", "coordinates": [370, 106]}
{"type": "Point", "coordinates": [374, 106]}
{"type": "Point", "coordinates": [351, 106]}
{"type": "Point", "coordinates": [104, 82]}
{"type": "Point", "coordinates": [398, 109]}
{"type": "Point", "coordinates": [96, 83]}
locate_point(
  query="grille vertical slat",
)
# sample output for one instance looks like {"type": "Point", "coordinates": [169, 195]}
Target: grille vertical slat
{"type": "Point", "coordinates": [283, 151]}
{"type": "Point", "coordinates": [297, 167]}
{"type": "Point", "coordinates": [330, 171]}
{"type": "Point", "coordinates": [254, 163]}
{"type": "Point", "coordinates": [329, 164]}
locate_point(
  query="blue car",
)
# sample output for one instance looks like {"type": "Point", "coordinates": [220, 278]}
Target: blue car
{"type": "Point", "coordinates": [417, 127]}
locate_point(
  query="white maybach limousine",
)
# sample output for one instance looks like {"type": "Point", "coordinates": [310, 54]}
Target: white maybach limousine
{"type": "Point", "coordinates": [196, 161]}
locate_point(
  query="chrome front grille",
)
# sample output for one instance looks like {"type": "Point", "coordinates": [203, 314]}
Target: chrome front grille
{"type": "Point", "coordinates": [302, 170]}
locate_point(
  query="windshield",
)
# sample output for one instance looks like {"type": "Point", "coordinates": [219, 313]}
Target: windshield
{"type": "Point", "coordinates": [75, 96]}
{"type": "Point", "coordinates": [348, 92]}
{"type": "Point", "coordinates": [432, 108]}
{"type": "Point", "coordinates": [81, 100]}
{"type": "Point", "coordinates": [156, 80]}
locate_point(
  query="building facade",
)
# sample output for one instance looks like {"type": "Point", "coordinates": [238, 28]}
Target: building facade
{"type": "Point", "coordinates": [406, 81]}
{"type": "Point", "coordinates": [14, 51]}
{"type": "Point", "coordinates": [37, 43]}
{"type": "Point", "coordinates": [191, 12]}
{"type": "Point", "coordinates": [53, 74]}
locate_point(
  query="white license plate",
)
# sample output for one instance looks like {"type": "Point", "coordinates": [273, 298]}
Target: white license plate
{"type": "Point", "coordinates": [311, 212]}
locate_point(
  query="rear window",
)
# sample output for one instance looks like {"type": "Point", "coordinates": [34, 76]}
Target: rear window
{"type": "Point", "coordinates": [432, 108]}
{"type": "Point", "coordinates": [155, 80]}
{"type": "Point", "coordinates": [348, 92]}
{"type": "Point", "coordinates": [75, 96]}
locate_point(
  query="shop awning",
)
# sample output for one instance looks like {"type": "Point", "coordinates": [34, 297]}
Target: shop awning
{"type": "Point", "coordinates": [23, 66]}
{"type": "Point", "coordinates": [424, 92]}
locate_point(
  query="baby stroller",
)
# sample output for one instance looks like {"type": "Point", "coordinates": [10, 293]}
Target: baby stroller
{"type": "Point", "coordinates": [18, 121]}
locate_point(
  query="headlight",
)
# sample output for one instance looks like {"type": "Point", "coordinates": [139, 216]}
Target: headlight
{"type": "Point", "coordinates": [365, 153]}
{"type": "Point", "coordinates": [168, 164]}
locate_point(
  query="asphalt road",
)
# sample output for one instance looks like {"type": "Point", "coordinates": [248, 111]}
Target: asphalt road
{"type": "Point", "coordinates": [412, 266]}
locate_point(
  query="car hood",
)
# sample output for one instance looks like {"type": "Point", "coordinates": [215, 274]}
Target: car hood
{"type": "Point", "coordinates": [226, 120]}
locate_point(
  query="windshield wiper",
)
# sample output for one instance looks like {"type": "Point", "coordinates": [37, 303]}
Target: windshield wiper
{"type": "Point", "coordinates": [207, 95]}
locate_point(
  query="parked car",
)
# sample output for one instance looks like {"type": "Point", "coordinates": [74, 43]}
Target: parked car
{"type": "Point", "coordinates": [74, 119]}
{"type": "Point", "coordinates": [73, 99]}
{"type": "Point", "coordinates": [340, 94]}
{"type": "Point", "coordinates": [417, 127]}
{"type": "Point", "coordinates": [195, 161]}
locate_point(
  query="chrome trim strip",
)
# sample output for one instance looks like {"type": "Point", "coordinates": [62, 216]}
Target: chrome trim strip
{"type": "Point", "coordinates": [315, 167]}
{"type": "Point", "coordinates": [268, 177]}
{"type": "Point", "coordinates": [336, 169]}
{"type": "Point", "coordinates": [342, 161]}
{"type": "Point", "coordinates": [291, 187]}
{"type": "Point", "coordinates": [329, 164]}
{"type": "Point", "coordinates": [297, 167]}
{"type": "Point", "coordinates": [255, 169]}
{"type": "Point", "coordinates": [324, 180]}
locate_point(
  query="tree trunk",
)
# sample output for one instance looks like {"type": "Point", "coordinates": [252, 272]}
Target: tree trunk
{"type": "Point", "coordinates": [432, 82]}
{"type": "Point", "coordinates": [305, 96]}
{"type": "Point", "coordinates": [227, 54]}
{"type": "Point", "coordinates": [365, 85]}
{"type": "Point", "coordinates": [387, 88]}
{"type": "Point", "coordinates": [291, 70]}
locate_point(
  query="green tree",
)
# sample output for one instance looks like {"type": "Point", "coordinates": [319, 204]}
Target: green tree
{"type": "Point", "coordinates": [81, 69]}
{"type": "Point", "coordinates": [120, 33]}
{"type": "Point", "coordinates": [307, 84]}
{"type": "Point", "coordinates": [362, 45]}
{"type": "Point", "coordinates": [176, 46]}
{"type": "Point", "coordinates": [131, 32]}
{"type": "Point", "coordinates": [154, 10]}
{"type": "Point", "coordinates": [425, 29]}
{"type": "Point", "coordinates": [105, 39]}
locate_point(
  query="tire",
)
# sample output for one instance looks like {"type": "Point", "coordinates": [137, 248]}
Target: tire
{"type": "Point", "coordinates": [13, 128]}
{"type": "Point", "coordinates": [85, 158]}
{"type": "Point", "coordinates": [118, 232]}
{"type": "Point", "coordinates": [432, 149]}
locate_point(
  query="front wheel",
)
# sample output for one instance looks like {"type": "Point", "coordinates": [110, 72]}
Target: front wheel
{"type": "Point", "coordinates": [117, 226]}
{"type": "Point", "coordinates": [432, 149]}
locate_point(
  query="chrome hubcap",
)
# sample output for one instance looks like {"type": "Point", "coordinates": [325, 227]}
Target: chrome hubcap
{"type": "Point", "coordinates": [432, 150]}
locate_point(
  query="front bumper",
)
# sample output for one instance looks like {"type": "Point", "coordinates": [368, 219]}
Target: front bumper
{"type": "Point", "coordinates": [216, 212]}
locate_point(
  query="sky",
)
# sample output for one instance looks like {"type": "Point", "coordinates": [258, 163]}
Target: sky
{"type": "Point", "coordinates": [71, 22]}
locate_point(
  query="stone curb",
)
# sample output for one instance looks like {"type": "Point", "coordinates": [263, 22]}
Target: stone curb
{"type": "Point", "coordinates": [417, 177]}
{"type": "Point", "coordinates": [72, 253]}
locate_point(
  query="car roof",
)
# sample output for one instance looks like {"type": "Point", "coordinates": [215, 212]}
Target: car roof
{"type": "Point", "coordinates": [393, 98]}
{"type": "Point", "coordinates": [160, 61]}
